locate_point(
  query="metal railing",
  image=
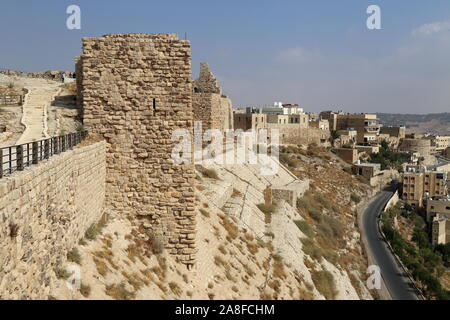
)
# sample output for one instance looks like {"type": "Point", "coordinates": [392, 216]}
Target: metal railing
{"type": "Point", "coordinates": [17, 158]}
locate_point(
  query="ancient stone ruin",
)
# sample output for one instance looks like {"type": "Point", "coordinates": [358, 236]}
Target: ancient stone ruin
{"type": "Point", "coordinates": [136, 90]}
{"type": "Point", "coordinates": [214, 110]}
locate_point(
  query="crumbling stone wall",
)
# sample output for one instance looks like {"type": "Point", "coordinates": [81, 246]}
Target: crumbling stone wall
{"type": "Point", "coordinates": [206, 82]}
{"type": "Point", "coordinates": [293, 134]}
{"type": "Point", "coordinates": [137, 89]}
{"type": "Point", "coordinates": [213, 109]}
{"type": "Point", "coordinates": [44, 212]}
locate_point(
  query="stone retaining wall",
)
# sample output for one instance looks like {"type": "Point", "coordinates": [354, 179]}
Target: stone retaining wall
{"type": "Point", "coordinates": [44, 211]}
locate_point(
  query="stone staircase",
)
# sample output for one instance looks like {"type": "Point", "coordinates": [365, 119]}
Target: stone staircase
{"type": "Point", "coordinates": [35, 113]}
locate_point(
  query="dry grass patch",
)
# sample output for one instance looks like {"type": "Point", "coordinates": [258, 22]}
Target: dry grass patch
{"type": "Point", "coordinates": [96, 229]}
{"type": "Point", "coordinates": [62, 273]}
{"type": "Point", "coordinates": [119, 292]}
{"type": "Point", "coordinates": [208, 173]}
{"type": "Point", "coordinates": [231, 228]}
{"type": "Point", "coordinates": [133, 252]}
{"type": "Point", "coordinates": [229, 276]}
{"type": "Point", "coordinates": [220, 262]}
{"type": "Point", "coordinates": [108, 255]}
{"type": "Point", "coordinates": [133, 279]}
{"type": "Point", "coordinates": [236, 193]}
{"type": "Point", "coordinates": [204, 213]}
{"type": "Point", "coordinates": [175, 288]}
{"type": "Point", "coordinates": [253, 247]}
{"type": "Point", "coordinates": [159, 273]}
{"type": "Point", "coordinates": [278, 270]}
{"type": "Point", "coordinates": [74, 256]}
{"type": "Point", "coordinates": [101, 266]}
{"type": "Point", "coordinates": [264, 295]}
{"type": "Point", "coordinates": [222, 249]}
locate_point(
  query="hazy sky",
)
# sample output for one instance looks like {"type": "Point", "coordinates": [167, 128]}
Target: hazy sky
{"type": "Point", "coordinates": [317, 53]}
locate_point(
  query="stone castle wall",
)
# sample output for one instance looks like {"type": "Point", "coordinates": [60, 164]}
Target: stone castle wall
{"type": "Point", "coordinates": [293, 134]}
{"type": "Point", "coordinates": [137, 89]}
{"type": "Point", "coordinates": [213, 109]}
{"type": "Point", "coordinates": [44, 211]}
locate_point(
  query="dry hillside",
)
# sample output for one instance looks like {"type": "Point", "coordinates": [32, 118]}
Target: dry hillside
{"type": "Point", "coordinates": [248, 248]}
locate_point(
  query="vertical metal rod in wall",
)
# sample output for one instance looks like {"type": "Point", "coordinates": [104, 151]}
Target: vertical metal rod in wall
{"type": "Point", "coordinates": [19, 158]}
{"type": "Point", "coordinates": [35, 148]}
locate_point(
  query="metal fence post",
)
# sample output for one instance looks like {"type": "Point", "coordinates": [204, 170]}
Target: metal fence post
{"type": "Point", "coordinates": [46, 149]}
{"type": "Point", "coordinates": [35, 151]}
{"type": "Point", "coordinates": [1, 163]}
{"type": "Point", "coordinates": [69, 137]}
{"type": "Point", "coordinates": [55, 145]}
{"type": "Point", "coordinates": [19, 158]}
{"type": "Point", "coordinates": [74, 139]}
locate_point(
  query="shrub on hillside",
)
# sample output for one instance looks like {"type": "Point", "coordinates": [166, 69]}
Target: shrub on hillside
{"type": "Point", "coordinates": [355, 198]}
{"type": "Point", "coordinates": [267, 208]}
{"type": "Point", "coordinates": [305, 228]}
{"type": "Point", "coordinates": [324, 282]}
{"type": "Point", "coordinates": [74, 256]}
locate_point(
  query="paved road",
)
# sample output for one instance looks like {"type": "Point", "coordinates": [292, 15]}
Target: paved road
{"type": "Point", "coordinates": [396, 281]}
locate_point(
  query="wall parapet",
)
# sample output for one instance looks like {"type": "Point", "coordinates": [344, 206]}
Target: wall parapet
{"type": "Point", "coordinates": [44, 211]}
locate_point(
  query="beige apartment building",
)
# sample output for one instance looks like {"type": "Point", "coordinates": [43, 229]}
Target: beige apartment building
{"type": "Point", "coordinates": [250, 121]}
{"type": "Point", "coordinates": [418, 186]}
{"type": "Point", "coordinates": [438, 214]}
{"type": "Point", "coordinates": [290, 121]}
{"type": "Point", "coordinates": [319, 124]}
{"type": "Point", "coordinates": [439, 143]}
{"type": "Point", "coordinates": [347, 137]}
{"type": "Point", "coordinates": [366, 125]}
{"type": "Point", "coordinates": [301, 119]}
{"type": "Point", "coordinates": [396, 132]}
{"type": "Point", "coordinates": [367, 170]}
{"type": "Point", "coordinates": [412, 189]}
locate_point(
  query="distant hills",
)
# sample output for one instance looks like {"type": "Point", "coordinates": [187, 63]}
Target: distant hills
{"type": "Point", "coordinates": [436, 123]}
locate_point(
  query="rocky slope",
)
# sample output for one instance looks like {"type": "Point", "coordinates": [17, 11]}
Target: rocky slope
{"type": "Point", "coordinates": [249, 247]}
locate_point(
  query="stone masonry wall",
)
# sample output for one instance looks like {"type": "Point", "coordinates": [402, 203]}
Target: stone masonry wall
{"type": "Point", "coordinates": [44, 211]}
{"type": "Point", "coordinates": [213, 109]}
{"type": "Point", "coordinates": [137, 89]}
{"type": "Point", "coordinates": [292, 134]}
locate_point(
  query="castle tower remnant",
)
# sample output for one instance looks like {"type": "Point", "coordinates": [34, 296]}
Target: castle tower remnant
{"type": "Point", "coordinates": [136, 90]}
{"type": "Point", "coordinates": [211, 107]}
